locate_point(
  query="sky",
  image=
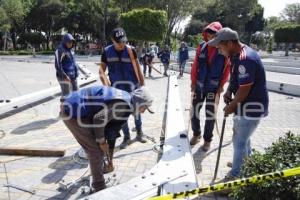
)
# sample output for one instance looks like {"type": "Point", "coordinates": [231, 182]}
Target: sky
{"type": "Point", "coordinates": [274, 7]}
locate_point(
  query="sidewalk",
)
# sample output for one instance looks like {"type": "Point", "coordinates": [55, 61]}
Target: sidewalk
{"type": "Point", "coordinates": [39, 127]}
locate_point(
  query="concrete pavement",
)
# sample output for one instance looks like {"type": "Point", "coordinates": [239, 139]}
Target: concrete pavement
{"type": "Point", "coordinates": [39, 127]}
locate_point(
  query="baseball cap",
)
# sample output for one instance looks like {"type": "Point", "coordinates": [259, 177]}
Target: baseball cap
{"type": "Point", "coordinates": [119, 35]}
{"type": "Point", "coordinates": [225, 34]}
{"type": "Point", "coordinates": [142, 96]}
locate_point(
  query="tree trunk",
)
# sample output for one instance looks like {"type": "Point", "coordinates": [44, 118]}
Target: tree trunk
{"type": "Point", "coordinates": [287, 49]}
{"type": "Point", "coordinates": [13, 38]}
{"type": "Point", "coordinates": [167, 39]}
{"type": "Point", "coordinates": [5, 41]}
{"type": "Point", "coordinates": [47, 42]}
{"type": "Point", "coordinates": [140, 45]}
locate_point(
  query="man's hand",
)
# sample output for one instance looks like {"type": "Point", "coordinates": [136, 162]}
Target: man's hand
{"type": "Point", "coordinates": [193, 88]}
{"type": "Point", "coordinates": [103, 146]}
{"type": "Point", "coordinates": [220, 90]}
{"type": "Point", "coordinates": [67, 78]}
{"type": "Point", "coordinates": [227, 97]}
{"type": "Point", "coordinates": [229, 109]}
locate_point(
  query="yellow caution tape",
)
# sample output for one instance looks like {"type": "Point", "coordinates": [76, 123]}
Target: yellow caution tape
{"type": "Point", "coordinates": [230, 184]}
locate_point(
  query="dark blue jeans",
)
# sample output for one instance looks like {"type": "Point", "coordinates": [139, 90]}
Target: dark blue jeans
{"type": "Point", "coordinates": [198, 101]}
{"type": "Point", "coordinates": [138, 126]}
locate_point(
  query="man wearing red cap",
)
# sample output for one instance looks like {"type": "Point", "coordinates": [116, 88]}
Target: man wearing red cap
{"type": "Point", "coordinates": [210, 72]}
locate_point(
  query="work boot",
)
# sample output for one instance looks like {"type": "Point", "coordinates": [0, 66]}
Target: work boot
{"type": "Point", "coordinates": [194, 140]}
{"type": "Point", "coordinates": [97, 186]}
{"type": "Point", "coordinates": [206, 146]}
{"type": "Point", "coordinates": [140, 138]}
{"type": "Point", "coordinates": [107, 168]}
{"type": "Point", "coordinates": [229, 177]}
{"type": "Point", "coordinates": [108, 162]}
{"type": "Point", "coordinates": [229, 164]}
{"type": "Point", "coordinates": [125, 143]}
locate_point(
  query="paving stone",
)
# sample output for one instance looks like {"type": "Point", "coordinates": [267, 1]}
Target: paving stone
{"type": "Point", "coordinates": [43, 173]}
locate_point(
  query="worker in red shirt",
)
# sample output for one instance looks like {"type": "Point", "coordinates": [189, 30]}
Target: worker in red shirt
{"type": "Point", "coordinates": [210, 71]}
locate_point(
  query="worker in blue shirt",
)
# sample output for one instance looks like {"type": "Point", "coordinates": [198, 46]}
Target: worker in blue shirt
{"type": "Point", "coordinates": [95, 115]}
{"type": "Point", "coordinates": [124, 73]}
{"type": "Point", "coordinates": [65, 65]}
{"type": "Point", "coordinates": [164, 56]}
{"type": "Point", "coordinates": [183, 56]}
{"type": "Point", "coordinates": [250, 96]}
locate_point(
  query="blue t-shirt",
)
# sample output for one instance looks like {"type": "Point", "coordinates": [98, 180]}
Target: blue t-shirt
{"type": "Point", "coordinates": [247, 69]}
{"type": "Point", "coordinates": [88, 101]}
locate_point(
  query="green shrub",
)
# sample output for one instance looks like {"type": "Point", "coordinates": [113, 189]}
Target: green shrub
{"type": "Point", "coordinates": [35, 38]}
{"type": "Point", "coordinates": [144, 24]}
{"type": "Point", "coordinates": [23, 52]}
{"type": "Point", "coordinates": [283, 154]}
{"type": "Point", "coordinates": [194, 40]}
{"type": "Point", "coordinates": [287, 33]}
{"type": "Point", "coordinates": [20, 52]}
{"type": "Point", "coordinates": [4, 53]}
{"type": "Point", "coordinates": [45, 52]}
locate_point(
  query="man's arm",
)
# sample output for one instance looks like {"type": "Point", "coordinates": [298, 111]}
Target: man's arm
{"type": "Point", "coordinates": [225, 76]}
{"type": "Point", "coordinates": [246, 78]}
{"type": "Point", "coordinates": [139, 72]}
{"type": "Point", "coordinates": [239, 97]}
{"type": "Point", "coordinates": [102, 69]}
{"type": "Point", "coordinates": [58, 64]}
{"type": "Point", "coordinates": [76, 65]}
{"type": "Point", "coordinates": [103, 77]}
{"type": "Point", "coordinates": [195, 69]}
{"type": "Point", "coordinates": [110, 112]}
{"type": "Point", "coordinates": [141, 77]}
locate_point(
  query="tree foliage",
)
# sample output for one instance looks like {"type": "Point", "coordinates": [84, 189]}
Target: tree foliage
{"type": "Point", "coordinates": [291, 13]}
{"type": "Point", "coordinates": [144, 24]}
{"type": "Point", "coordinates": [245, 16]}
{"type": "Point", "coordinates": [4, 21]}
{"type": "Point", "coordinates": [283, 154]}
{"type": "Point", "coordinates": [287, 34]}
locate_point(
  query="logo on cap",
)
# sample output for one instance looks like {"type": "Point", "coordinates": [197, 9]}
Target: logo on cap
{"type": "Point", "coordinates": [119, 33]}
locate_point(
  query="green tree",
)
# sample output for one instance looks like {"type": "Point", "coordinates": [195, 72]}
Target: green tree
{"type": "Point", "coordinates": [257, 21]}
{"type": "Point", "coordinates": [45, 16]}
{"type": "Point", "coordinates": [176, 10]}
{"type": "Point", "coordinates": [194, 40]}
{"type": "Point", "coordinates": [144, 25]}
{"type": "Point", "coordinates": [245, 16]}
{"type": "Point", "coordinates": [291, 13]}
{"type": "Point", "coordinates": [84, 17]}
{"type": "Point", "coordinates": [34, 39]}
{"type": "Point", "coordinates": [193, 28]}
{"type": "Point", "coordinates": [287, 34]}
{"type": "Point", "coordinates": [273, 22]}
{"type": "Point", "coordinates": [15, 12]}
{"type": "Point", "coordinates": [4, 27]}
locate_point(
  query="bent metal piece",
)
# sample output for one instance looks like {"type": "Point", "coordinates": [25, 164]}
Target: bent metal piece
{"type": "Point", "coordinates": [175, 170]}
{"type": "Point", "coordinates": [43, 94]}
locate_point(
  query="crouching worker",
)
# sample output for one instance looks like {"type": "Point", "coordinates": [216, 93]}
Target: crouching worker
{"type": "Point", "coordinates": [95, 116]}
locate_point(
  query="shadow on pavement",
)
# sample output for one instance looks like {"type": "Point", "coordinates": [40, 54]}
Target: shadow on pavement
{"type": "Point", "coordinates": [61, 167]}
{"type": "Point", "coordinates": [36, 125]}
{"type": "Point", "coordinates": [200, 155]}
